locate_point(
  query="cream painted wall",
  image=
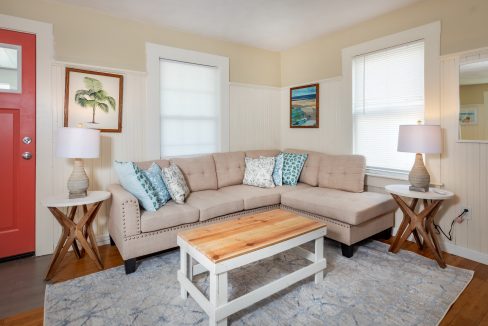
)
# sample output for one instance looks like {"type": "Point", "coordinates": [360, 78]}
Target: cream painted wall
{"type": "Point", "coordinates": [464, 27]}
{"type": "Point", "coordinates": [89, 37]}
{"type": "Point", "coordinates": [472, 94]}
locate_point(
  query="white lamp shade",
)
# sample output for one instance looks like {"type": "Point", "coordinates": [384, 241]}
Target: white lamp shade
{"type": "Point", "coordinates": [78, 143]}
{"type": "Point", "coordinates": [420, 139]}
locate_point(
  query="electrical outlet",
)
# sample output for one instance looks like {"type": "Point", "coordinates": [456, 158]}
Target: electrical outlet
{"type": "Point", "coordinates": [467, 215]}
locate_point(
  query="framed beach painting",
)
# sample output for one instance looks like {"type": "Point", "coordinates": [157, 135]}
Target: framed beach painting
{"type": "Point", "coordinates": [304, 106]}
{"type": "Point", "coordinates": [468, 116]}
{"type": "Point", "coordinates": [93, 99]}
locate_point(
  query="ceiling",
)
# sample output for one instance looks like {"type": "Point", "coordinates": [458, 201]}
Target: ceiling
{"type": "Point", "coordinates": [269, 24]}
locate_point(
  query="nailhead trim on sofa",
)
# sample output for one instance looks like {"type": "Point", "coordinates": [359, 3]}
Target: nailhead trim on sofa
{"type": "Point", "coordinates": [136, 204]}
{"type": "Point", "coordinates": [211, 221]}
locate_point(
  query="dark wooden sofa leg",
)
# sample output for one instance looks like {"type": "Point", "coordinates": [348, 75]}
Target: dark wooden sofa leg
{"type": "Point", "coordinates": [112, 243]}
{"type": "Point", "coordinates": [384, 235]}
{"type": "Point", "coordinates": [130, 265]}
{"type": "Point", "coordinates": [347, 251]}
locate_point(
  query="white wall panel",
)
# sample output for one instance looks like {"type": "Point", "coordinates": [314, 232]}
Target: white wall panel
{"type": "Point", "coordinates": [254, 117]}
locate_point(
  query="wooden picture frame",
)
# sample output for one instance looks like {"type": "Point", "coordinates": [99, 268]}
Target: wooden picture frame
{"type": "Point", "coordinates": [304, 106]}
{"type": "Point", "coordinates": [81, 106]}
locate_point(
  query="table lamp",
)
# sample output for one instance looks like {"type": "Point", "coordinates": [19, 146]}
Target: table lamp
{"type": "Point", "coordinates": [78, 143]}
{"type": "Point", "coordinates": [419, 139]}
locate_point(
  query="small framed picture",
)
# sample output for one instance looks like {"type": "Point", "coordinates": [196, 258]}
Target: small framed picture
{"type": "Point", "coordinates": [93, 99]}
{"type": "Point", "coordinates": [468, 116]}
{"type": "Point", "coordinates": [304, 106]}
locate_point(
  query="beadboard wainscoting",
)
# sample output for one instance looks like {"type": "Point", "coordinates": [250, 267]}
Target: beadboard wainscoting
{"type": "Point", "coordinates": [254, 117]}
{"type": "Point", "coordinates": [254, 122]}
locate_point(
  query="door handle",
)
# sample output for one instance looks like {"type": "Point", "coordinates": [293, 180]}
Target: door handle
{"type": "Point", "coordinates": [27, 155]}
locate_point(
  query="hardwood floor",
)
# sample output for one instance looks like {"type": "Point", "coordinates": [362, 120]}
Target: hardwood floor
{"type": "Point", "coordinates": [471, 308]}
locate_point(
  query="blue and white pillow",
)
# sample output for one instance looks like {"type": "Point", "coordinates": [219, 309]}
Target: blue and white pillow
{"type": "Point", "coordinates": [292, 167]}
{"type": "Point", "coordinates": [278, 170]}
{"type": "Point", "coordinates": [135, 181]}
{"type": "Point", "coordinates": [154, 175]}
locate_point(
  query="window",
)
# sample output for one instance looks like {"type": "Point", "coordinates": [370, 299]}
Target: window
{"type": "Point", "coordinates": [189, 108]}
{"type": "Point", "coordinates": [387, 91]}
{"type": "Point", "coordinates": [10, 68]}
{"type": "Point", "coordinates": [187, 102]}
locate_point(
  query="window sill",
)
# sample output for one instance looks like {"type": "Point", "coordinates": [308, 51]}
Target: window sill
{"type": "Point", "coordinates": [394, 175]}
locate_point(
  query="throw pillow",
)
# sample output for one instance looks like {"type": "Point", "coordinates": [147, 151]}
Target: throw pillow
{"type": "Point", "coordinates": [259, 172]}
{"type": "Point", "coordinates": [278, 170]}
{"type": "Point", "coordinates": [135, 181]}
{"type": "Point", "coordinates": [175, 181]}
{"type": "Point", "coordinates": [292, 167]}
{"type": "Point", "coordinates": [154, 175]}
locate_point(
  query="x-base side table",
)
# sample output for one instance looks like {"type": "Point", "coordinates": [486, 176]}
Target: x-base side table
{"type": "Point", "coordinates": [72, 230]}
{"type": "Point", "coordinates": [420, 224]}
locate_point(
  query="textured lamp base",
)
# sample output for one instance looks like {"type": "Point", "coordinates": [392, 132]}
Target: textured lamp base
{"type": "Point", "coordinates": [419, 176]}
{"type": "Point", "coordinates": [78, 181]}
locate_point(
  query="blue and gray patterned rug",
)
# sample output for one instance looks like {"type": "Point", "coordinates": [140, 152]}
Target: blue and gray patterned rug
{"type": "Point", "coordinates": [373, 288]}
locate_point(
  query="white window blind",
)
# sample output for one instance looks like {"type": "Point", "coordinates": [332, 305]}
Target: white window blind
{"type": "Point", "coordinates": [388, 91]}
{"type": "Point", "coordinates": [190, 108]}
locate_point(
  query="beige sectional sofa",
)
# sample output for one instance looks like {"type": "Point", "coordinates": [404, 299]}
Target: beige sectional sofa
{"type": "Point", "coordinates": [330, 188]}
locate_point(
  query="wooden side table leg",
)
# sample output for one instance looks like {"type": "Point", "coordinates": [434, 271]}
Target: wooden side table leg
{"type": "Point", "coordinates": [401, 230]}
{"type": "Point", "coordinates": [82, 229]}
{"type": "Point", "coordinates": [408, 222]}
{"type": "Point", "coordinates": [59, 246]}
{"type": "Point", "coordinates": [93, 241]}
{"type": "Point", "coordinates": [71, 216]}
{"type": "Point", "coordinates": [429, 225]}
{"type": "Point", "coordinates": [432, 247]}
{"type": "Point", "coordinates": [412, 207]}
{"type": "Point", "coordinates": [63, 246]}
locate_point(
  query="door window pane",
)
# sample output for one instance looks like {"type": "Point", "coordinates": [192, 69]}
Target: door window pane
{"type": "Point", "coordinates": [10, 72]}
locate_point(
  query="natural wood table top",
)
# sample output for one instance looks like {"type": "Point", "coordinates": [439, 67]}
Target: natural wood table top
{"type": "Point", "coordinates": [233, 238]}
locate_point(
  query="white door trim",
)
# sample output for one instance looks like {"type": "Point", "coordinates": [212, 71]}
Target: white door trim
{"type": "Point", "coordinates": [44, 122]}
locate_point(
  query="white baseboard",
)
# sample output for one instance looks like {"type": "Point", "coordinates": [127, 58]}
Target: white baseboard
{"type": "Point", "coordinates": [454, 249]}
{"type": "Point", "coordinates": [103, 239]}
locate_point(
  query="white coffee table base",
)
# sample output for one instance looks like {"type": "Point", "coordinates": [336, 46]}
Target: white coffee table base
{"type": "Point", "coordinates": [217, 307]}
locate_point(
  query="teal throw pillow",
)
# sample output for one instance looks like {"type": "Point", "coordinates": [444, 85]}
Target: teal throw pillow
{"type": "Point", "coordinates": [135, 181]}
{"type": "Point", "coordinates": [292, 167]}
{"type": "Point", "coordinates": [154, 175]}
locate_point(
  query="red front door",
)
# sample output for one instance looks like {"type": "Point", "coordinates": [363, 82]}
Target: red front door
{"type": "Point", "coordinates": [17, 142]}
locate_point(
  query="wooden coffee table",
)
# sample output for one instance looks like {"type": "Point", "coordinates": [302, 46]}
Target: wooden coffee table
{"type": "Point", "coordinates": [219, 248]}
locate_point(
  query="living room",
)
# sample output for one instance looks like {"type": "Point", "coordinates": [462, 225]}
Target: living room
{"type": "Point", "coordinates": [361, 121]}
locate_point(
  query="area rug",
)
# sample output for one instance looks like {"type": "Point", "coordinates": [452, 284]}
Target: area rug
{"type": "Point", "coordinates": [372, 288]}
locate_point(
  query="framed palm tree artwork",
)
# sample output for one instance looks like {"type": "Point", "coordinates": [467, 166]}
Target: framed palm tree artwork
{"type": "Point", "coordinates": [93, 100]}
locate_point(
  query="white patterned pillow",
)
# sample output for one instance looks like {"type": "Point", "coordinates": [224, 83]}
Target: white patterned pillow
{"type": "Point", "coordinates": [175, 182]}
{"type": "Point", "coordinates": [259, 172]}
